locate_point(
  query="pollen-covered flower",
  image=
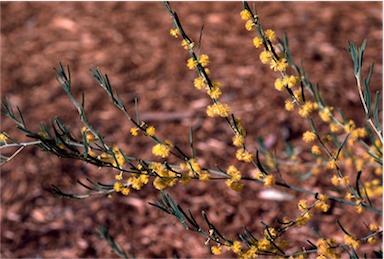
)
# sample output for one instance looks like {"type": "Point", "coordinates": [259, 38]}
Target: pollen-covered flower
{"type": "Point", "coordinates": [269, 180]}
{"type": "Point", "coordinates": [306, 109]}
{"type": "Point", "coordinates": [238, 140]}
{"type": "Point", "coordinates": [187, 45]}
{"type": "Point", "coordinates": [280, 65]}
{"type": "Point", "coordinates": [309, 136]}
{"type": "Point", "coordinates": [191, 63]}
{"type": "Point", "coordinates": [302, 220]}
{"type": "Point", "coordinates": [245, 14]}
{"type": "Point", "coordinates": [332, 164]}
{"type": "Point", "coordinates": [199, 83]}
{"type": "Point", "coordinates": [265, 57]}
{"type": "Point", "coordinates": [269, 34]}
{"type": "Point", "coordinates": [204, 60]}
{"type": "Point", "coordinates": [174, 32]}
{"type": "Point", "coordinates": [349, 240]}
{"type": "Point", "coordinates": [151, 130]}
{"type": "Point", "coordinates": [290, 81]}
{"type": "Point", "coordinates": [249, 25]}
{"type": "Point", "coordinates": [315, 150]}
{"type": "Point", "coordinates": [279, 85]}
{"type": "Point", "coordinates": [218, 109]}
{"type": "Point", "coordinates": [236, 247]}
{"type": "Point", "coordinates": [325, 114]}
{"type": "Point", "coordinates": [244, 155]}
{"type": "Point", "coordinates": [216, 250]}
{"type": "Point", "coordinates": [234, 173]}
{"type": "Point", "coordinates": [334, 127]}
{"type": "Point", "coordinates": [134, 131]}
{"type": "Point", "coordinates": [303, 205]}
{"type": "Point", "coordinates": [289, 106]}
{"type": "Point", "coordinates": [161, 150]}
{"type": "Point", "coordinates": [214, 92]}
{"type": "Point", "coordinates": [257, 42]}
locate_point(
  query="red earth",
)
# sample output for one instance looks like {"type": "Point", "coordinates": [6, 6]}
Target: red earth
{"type": "Point", "coordinates": [130, 42]}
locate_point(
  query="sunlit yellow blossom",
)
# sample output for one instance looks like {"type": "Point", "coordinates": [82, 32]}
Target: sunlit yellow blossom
{"type": "Point", "coordinates": [349, 126]}
{"type": "Point", "coordinates": [302, 220]}
{"type": "Point", "coordinates": [119, 177]}
{"type": "Point", "coordinates": [303, 205]}
{"type": "Point", "coordinates": [264, 244]}
{"type": "Point", "coordinates": [258, 174]}
{"type": "Point", "coordinates": [373, 227]}
{"type": "Point", "coordinates": [161, 150]}
{"type": "Point", "coordinates": [289, 106]}
{"type": "Point", "coordinates": [214, 92]}
{"type": "Point", "coordinates": [199, 83]}
{"type": "Point", "coordinates": [174, 32]}
{"type": "Point", "coordinates": [117, 186]}
{"type": "Point", "coordinates": [236, 247]}
{"type": "Point", "coordinates": [234, 173]}
{"type": "Point", "coordinates": [191, 63]}
{"type": "Point", "coordinates": [218, 109]}
{"type": "Point", "coordinates": [204, 176]}
{"type": "Point", "coordinates": [325, 114]}
{"type": "Point", "coordinates": [324, 207]}
{"type": "Point", "coordinates": [125, 190]}
{"type": "Point", "coordinates": [359, 209]}
{"type": "Point", "coordinates": [279, 65]}
{"type": "Point", "coordinates": [151, 130]}
{"type": "Point", "coordinates": [249, 25]}
{"type": "Point", "coordinates": [269, 34]}
{"type": "Point", "coordinates": [348, 196]}
{"type": "Point", "coordinates": [351, 241]}
{"type": "Point", "coordinates": [279, 85]}
{"type": "Point", "coordinates": [306, 109]}
{"type": "Point", "coordinates": [334, 127]}
{"type": "Point", "coordinates": [309, 136]}
{"type": "Point", "coordinates": [291, 81]}
{"type": "Point", "coordinates": [265, 56]}
{"type": "Point", "coordinates": [245, 14]}
{"type": "Point", "coordinates": [315, 150]}
{"type": "Point", "coordinates": [257, 42]}
{"type": "Point", "coordinates": [88, 134]}
{"type": "Point", "coordinates": [269, 180]}
{"type": "Point", "coordinates": [371, 240]}
{"type": "Point", "coordinates": [236, 186]}
{"type": "Point", "coordinates": [335, 180]}
{"type": "Point", "coordinates": [250, 253]}
{"type": "Point", "coordinates": [204, 60]}
{"type": "Point", "coordinates": [238, 140]}
{"type": "Point", "coordinates": [243, 155]}
{"type": "Point", "coordinates": [345, 180]}
{"type": "Point", "coordinates": [359, 133]}
{"type": "Point", "coordinates": [3, 137]}
{"type": "Point", "coordinates": [332, 164]}
{"type": "Point", "coordinates": [270, 233]}
{"type": "Point", "coordinates": [134, 131]}
{"type": "Point", "coordinates": [187, 45]}
{"type": "Point", "coordinates": [216, 250]}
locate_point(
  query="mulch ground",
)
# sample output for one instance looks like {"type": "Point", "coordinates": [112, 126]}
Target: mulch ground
{"type": "Point", "coordinates": [130, 42]}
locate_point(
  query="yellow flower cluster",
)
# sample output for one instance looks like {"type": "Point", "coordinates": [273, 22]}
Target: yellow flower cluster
{"type": "Point", "coordinates": [286, 81]}
{"type": "Point", "coordinates": [326, 248]}
{"type": "Point", "coordinates": [88, 134]}
{"type": "Point", "coordinates": [321, 204]}
{"type": "Point", "coordinates": [165, 178]}
{"type": "Point", "coordinates": [303, 219]}
{"type": "Point", "coordinates": [137, 182]}
{"type": "Point", "coordinates": [326, 114]}
{"type": "Point", "coordinates": [194, 169]}
{"type": "Point", "coordinates": [162, 149]}
{"type": "Point", "coordinates": [119, 187]}
{"type": "Point", "coordinates": [151, 131]}
{"type": "Point", "coordinates": [336, 181]}
{"type": "Point", "coordinates": [374, 188]}
{"type": "Point", "coordinates": [309, 136]}
{"type": "Point", "coordinates": [307, 108]}
{"type": "Point", "coordinates": [218, 109]}
{"type": "Point", "coordinates": [233, 182]}
{"type": "Point", "coordinates": [108, 158]}
{"type": "Point", "coordinates": [244, 155]}
{"type": "Point", "coordinates": [349, 240]}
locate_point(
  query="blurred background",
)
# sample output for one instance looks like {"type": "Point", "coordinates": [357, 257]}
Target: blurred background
{"type": "Point", "coordinates": [130, 42]}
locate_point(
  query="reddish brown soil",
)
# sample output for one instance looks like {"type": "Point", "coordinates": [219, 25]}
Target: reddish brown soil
{"type": "Point", "coordinates": [131, 43]}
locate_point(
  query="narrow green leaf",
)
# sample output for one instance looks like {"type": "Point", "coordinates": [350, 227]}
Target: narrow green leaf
{"type": "Point", "coordinates": [358, 184]}
{"type": "Point", "coordinates": [342, 228]}
{"type": "Point", "coordinates": [376, 111]}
